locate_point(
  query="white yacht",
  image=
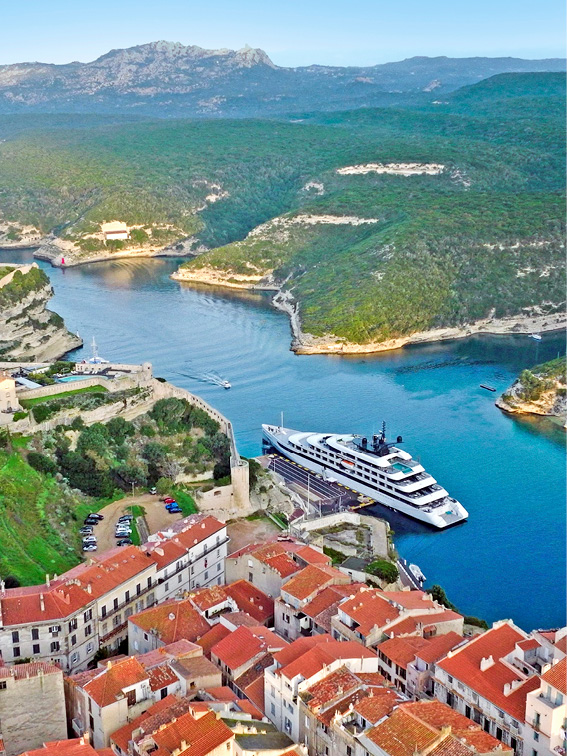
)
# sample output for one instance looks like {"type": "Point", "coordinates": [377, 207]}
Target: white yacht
{"type": "Point", "coordinates": [374, 468]}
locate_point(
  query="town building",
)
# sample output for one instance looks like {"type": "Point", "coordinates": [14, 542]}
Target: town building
{"type": "Point", "coordinates": [289, 617]}
{"type": "Point", "coordinates": [300, 665]}
{"type": "Point", "coordinates": [72, 747]}
{"type": "Point", "coordinates": [67, 619]}
{"type": "Point", "coordinates": [408, 661]}
{"type": "Point", "coordinates": [373, 615]}
{"type": "Point", "coordinates": [489, 678]}
{"type": "Point", "coordinates": [163, 624]}
{"type": "Point", "coordinates": [32, 706]}
{"type": "Point", "coordinates": [115, 231]}
{"type": "Point", "coordinates": [269, 565]}
{"type": "Point", "coordinates": [426, 728]}
{"type": "Point", "coordinates": [243, 649]}
{"type": "Point", "coordinates": [546, 714]}
{"type": "Point", "coordinates": [239, 596]}
{"type": "Point", "coordinates": [8, 399]}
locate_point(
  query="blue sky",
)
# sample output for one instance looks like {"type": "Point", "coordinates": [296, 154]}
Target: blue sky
{"type": "Point", "coordinates": [293, 32]}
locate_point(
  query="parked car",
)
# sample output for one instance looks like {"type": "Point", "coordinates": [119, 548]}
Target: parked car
{"type": "Point", "coordinates": [171, 504]}
{"type": "Point", "coordinates": [124, 542]}
{"type": "Point", "coordinates": [126, 518]}
{"type": "Point", "coordinates": [90, 539]}
{"type": "Point", "coordinates": [86, 530]}
{"type": "Point", "coordinates": [95, 516]}
{"type": "Point", "coordinates": [153, 491]}
{"type": "Point", "coordinates": [123, 533]}
{"type": "Point", "coordinates": [90, 521]}
{"type": "Point", "coordinates": [174, 509]}
{"type": "Point", "coordinates": [90, 547]}
{"type": "Point", "coordinates": [168, 500]}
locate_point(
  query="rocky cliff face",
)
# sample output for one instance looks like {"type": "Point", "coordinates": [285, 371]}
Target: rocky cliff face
{"type": "Point", "coordinates": [171, 79]}
{"type": "Point", "coordinates": [539, 391]}
{"type": "Point", "coordinates": [28, 330]}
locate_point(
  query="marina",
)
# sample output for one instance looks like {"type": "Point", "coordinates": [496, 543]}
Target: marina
{"type": "Point", "coordinates": [428, 393]}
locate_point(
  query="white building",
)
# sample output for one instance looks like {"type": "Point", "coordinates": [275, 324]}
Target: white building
{"type": "Point", "coordinates": [546, 712]}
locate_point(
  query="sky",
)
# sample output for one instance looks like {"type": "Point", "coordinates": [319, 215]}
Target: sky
{"type": "Point", "coordinates": [292, 32]}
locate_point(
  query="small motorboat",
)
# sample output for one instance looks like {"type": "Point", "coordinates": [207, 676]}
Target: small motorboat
{"type": "Point", "coordinates": [536, 336]}
{"type": "Point", "coordinates": [488, 388]}
{"type": "Point", "coordinates": [226, 384]}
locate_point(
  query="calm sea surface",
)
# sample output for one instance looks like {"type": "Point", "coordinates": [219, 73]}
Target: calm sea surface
{"type": "Point", "coordinates": [508, 560]}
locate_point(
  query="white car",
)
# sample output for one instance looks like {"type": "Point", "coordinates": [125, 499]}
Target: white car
{"type": "Point", "coordinates": [89, 547]}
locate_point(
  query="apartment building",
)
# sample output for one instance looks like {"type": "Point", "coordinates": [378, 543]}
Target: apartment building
{"type": "Point", "coordinates": [166, 623]}
{"type": "Point", "coordinates": [301, 665]}
{"type": "Point", "coordinates": [241, 596]}
{"type": "Point", "coordinates": [243, 649]}
{"type": "Point", "coordinates": [68, 618]}
{"type": "Point", "coordinates": [489, 678]}
{"type": "Point", "coordinates": [407, 662]}
{"type": "Point", "coordinates": [546, 714]}
{"type": "Point", "coordinates": [270, 565]}
{"type": "Point", "coordinates": [289, 617]}
{"type": "Point", "coordinates": [72, 747]}
{"type": "Point", "coordinates": [373, 615]}
{"type": "Point", "coordinates": [32, 706]}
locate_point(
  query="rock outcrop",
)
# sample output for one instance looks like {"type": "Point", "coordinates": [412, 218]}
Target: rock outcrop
{"type": "Point", "coordinates": [539, 391]}
{"type": "Point", "coordinates": [28, 330]}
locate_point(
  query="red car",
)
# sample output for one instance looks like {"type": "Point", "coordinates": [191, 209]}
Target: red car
{"type": "Point", "coordinates": [168, 500]}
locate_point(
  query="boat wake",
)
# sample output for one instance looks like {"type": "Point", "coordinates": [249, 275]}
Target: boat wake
{"type": "Point", "coordinates": [211, 377]}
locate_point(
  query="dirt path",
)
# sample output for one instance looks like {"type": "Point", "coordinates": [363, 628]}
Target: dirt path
{"type": "Point", "coordinates": [243, 532]}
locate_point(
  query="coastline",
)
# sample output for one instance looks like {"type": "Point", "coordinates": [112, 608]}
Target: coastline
{"type": "Point", "coordinates": [53, 253]}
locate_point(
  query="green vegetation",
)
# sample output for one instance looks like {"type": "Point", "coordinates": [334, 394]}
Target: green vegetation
{"type": "Point", "coordinates": [136, 511]}
{"type": "Point", "coordinates": [337, 557]}
{"type": "Point", "coordinates": [439, 595]}
{"type": "Point", "coordinates": [476, 622]}
{"type": "Point", "coordinates": [27, 403]}
{"type": "Point", "coordinates": [21, 285]}
{"type": "Point", "coordinates": [535, 382]}
{"type": "Point", "coordinates": [384, 570]}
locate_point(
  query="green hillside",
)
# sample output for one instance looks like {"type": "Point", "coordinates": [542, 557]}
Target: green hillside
{"type": "Point", "coordinates": [483, 235]}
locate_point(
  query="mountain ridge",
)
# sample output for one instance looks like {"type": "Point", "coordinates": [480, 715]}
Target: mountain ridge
{"type": "Point", "coordinates": [169, 79]}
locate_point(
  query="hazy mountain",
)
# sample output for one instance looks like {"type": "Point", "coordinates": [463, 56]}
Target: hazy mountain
{"type": "Point", "coordinates": [169, 79]}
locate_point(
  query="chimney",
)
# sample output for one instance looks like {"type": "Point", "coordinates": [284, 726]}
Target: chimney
{"type": "Point", "coordinates": [89, 588]}
{"type": "Point", "coordinates": [486, 663]}
{"type": "Point", "coordinates": [47, 583]}
{"type": "Point", "coordinates": [41, 602]}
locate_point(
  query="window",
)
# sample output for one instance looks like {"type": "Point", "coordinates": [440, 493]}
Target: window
{"type": "Point", "coordinates": [219, 565]}
{"type": "Point", "coordinates": [90, 648]}
{"type": "Point", "coordinates": [536, 737]}
{"type": "Point", "coordinates": [55, 646]}
{"type": "Point", "coordinates": [16, 652]}
{"type": "Point", "coordinates": [54, 629]}
{"type": "Point", "coordinates": [91, 723]}
{"type": "Point", "coordinates": [138, 589]}
{"type": "Point", "coordinates": [73, 625]}
{"type": "Point", "coordinates": [131, 697]}
{"type": "Point", "coordinates": [15, 637]}
{"type": "Point", "coordinates": [166, 587]}
{"type": "Point", "coordinates": [534, 752]}
{"type": "Point", "coordinates": [116, 620]}
{"type": "Point", "coordinates": [88, 630]}
{"type": "Point", "coordinates": [450, 679]}
{"type": "Point", "coordinates": [75, 658]}
{"type": "Point", "coordinates": [103, 611]}
{"type": "Point", "coordinates": [88, 615]}
{"type": "Point", "coordinates": [163, 692]}
{"type": "Point", "coordinates": [348, 751]}
{"type": "Point", "coordinates": [127, 596]}
{"type": "Point", "coordinates": [73, 640]}
{"type": "Point", "coordinates": [3, 684]}
{"type": "Point", "coordinates": [206, 576]}
{"type": "Point", "coordinates": [35, 648]}
{"type": "Point", "coordinates": [250, 577]}
{"type": "Point", "coordinates": [149, 582]}
{"type": "Point", "coordinates": [179, 578]}
{"type": "Point", "coordinates": [287, 724]}
{"type": "Point", "coordinates": [273, 709]}
{"type": "Point", "coordinates": [35, 633]}
{"type": "Point", "coordinates": [116, 603]}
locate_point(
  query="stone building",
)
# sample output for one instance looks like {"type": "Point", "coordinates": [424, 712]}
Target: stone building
{"type": "Point", "coordinates": [32, 706]}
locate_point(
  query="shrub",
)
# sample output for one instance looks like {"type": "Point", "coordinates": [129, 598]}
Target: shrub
{"type": "Point", "coordinates": [41, 412]}
{"type": "Point", "coordinates": [120, 429]}
{"type": "Point", "coordinates": [41, 463]}
{"type": "Point", "coordinates": [221, 470]}
{"type": "Point", "coordinates": [19, 416]}
{"type": "Point", "coordinates": [439, 595]}
{"type": "Point", "coordinates": [469, 620]}
{"type": "Point", "coordinates": [78, 423]}
{"type": "Point", "coordinates": [164, 486]}
{"type": "Point", "coordinates": [384, 570]}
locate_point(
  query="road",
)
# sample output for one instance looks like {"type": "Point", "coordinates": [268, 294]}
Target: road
{"type": "Point", "coordinates": [330, 495]}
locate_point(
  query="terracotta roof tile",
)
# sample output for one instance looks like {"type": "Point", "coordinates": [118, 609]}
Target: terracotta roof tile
{"type": "Point", "coordinates": [161, 677]}
{"type": "Point", "coordinates": [316, 658]}
{"type": "Point", "coordinates": [74, 747]}
{"type": "Point", "coordinates": [244, 644]}
{"type": "Point", "coordinates": [464, 665]}
{"type": "Point", "coordinates": [108, 685]}
{"type": "Point", "coordinates": [312, 579]}
{"type": "Point", "coordinates": [124, 734]}
{"type": "Point", "coordinates": [31, 669]}
{"type": "Point", "coordinates": [401, 734]}
{"type": "Point", "coordinates": [557, 676]}
{"type": "Point", "coordinates": [172, 621]}
{"type": "Point", "coordinates": [377, 704]}
{"type": "Point", "coordinates": [193, 668]}
{"type": "Point", "coordinates": [201, 735]}
{"type": "Point", "coordinates": [255, 692]}
{"type": "Point", "coordinates": [369, 610]}
{"type": "Point", "coordinates": [251, 600]}
{"type": "Point", "coordinates": [212, 637]}
{"type": "Point", "coordinates": [420, 622]}
{"type": "Point", "coordinates": [402, 651]}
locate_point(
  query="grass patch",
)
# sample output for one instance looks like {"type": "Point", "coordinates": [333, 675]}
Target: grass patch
{"type": "Point", "coordinates": [27, 403]}
{"type": "Point", "coordinates": [185, 501]}
{"type": "Point", "coordinates": [137, 511]}
{"type": "Point", "coordinates": [20, 442]}
{"type": "Point", "coordinates": [337, 557]}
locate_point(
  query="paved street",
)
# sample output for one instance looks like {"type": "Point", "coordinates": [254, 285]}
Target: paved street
{"type": "Point", "coordinates": [304, 481]}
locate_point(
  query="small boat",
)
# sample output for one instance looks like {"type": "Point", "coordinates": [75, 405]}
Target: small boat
{"type": "Point", "coordinates": [226, 384]}
{"type": "Point", "coordinates": [488, 388]}
{"type": "Point", "coordinates": [417, 573]}
{"type": "Point", "coordinates": [536, 336]}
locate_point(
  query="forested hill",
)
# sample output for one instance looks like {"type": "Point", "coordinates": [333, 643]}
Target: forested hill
{"type": "Point", "coordinates": [473, 229]}
{"type": "Point", "coordinates": [166, 79]}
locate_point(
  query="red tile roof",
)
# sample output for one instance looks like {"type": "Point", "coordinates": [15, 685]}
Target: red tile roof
{"type": "Point", "coordinates": [403, 650]}
{"type": "Point", "coordinates": [312, 556]}
{"type": "Point", "coordinates": [369, 610]}
{"type": "Point", "coordinates": [201, 735]}
{"type": "Point", "coordinates": [223, 693]}
{"type": "Point", "coordinates": [255, 692]}
{"type": "Point", "coordinates": [209, 597]}
{"type": "Point", "coordinates": [339, 682]}
{"type": "Point", "coordinates": [212, 637]}
{"type": "Point", "coordinates": [74, 747]}
{"type": "Point", "coordinates": [316, 658]}
{"type": "Point", "coordinates": [161, 677]}
{"type": "Point", "coordinates": [312, 579]}
{"type": "Point", "coordinates": [410, 599]}
{"type": "Point", "coordinates": [251, 600]}
{"type": "Point", "coordinates": [244, 644]}
{"type": "Point", "coordinates": [377, 704]}
{"type": "Point", "coordinates": [464, 665]}
{"type": "Point", "coordinates": [299, 647]}
{"type": "Point", "coordinates": [557, 676]}
{"type": "Point", "coordinates": [172, 621]}
{"type": "Point", "coordinates": [31, 669]}
{"type": "Point", "coordinates": [529, 644]}
{"type": "Point", "coordinates": [124, 734]}
{"type": "Point", "coordinates": [420, 622]}
{"type": "Point", "coordinates": [248, 707]}
{"type": "Point", "coordinates": [402, 735]}
{"type": "Point", "coordinates": [439, 646]}
{"type": "Point", "coordinates": [107, 686]}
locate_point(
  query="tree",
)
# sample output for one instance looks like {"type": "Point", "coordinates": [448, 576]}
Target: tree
{"type": "Point", "coordinates": [130, 475]}
{"type": "Point", "coordinates": [384, 570]}
{"type": "Point", "coordinates": [94, 438]}
{"type": "Point", "coordinates": [41, 463]}
{"type": "Point", "coordinates": [119, 430]}
{"type": "Point", "coordinates": [164, 486]}
{"type": "Point", "coordinates": [439, 595]}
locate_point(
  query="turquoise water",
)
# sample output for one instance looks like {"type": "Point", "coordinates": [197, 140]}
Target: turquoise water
{"type": "Point", "coordinates": [508, 560]}
{"type": "Point", "coordinates": [71, 378]}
